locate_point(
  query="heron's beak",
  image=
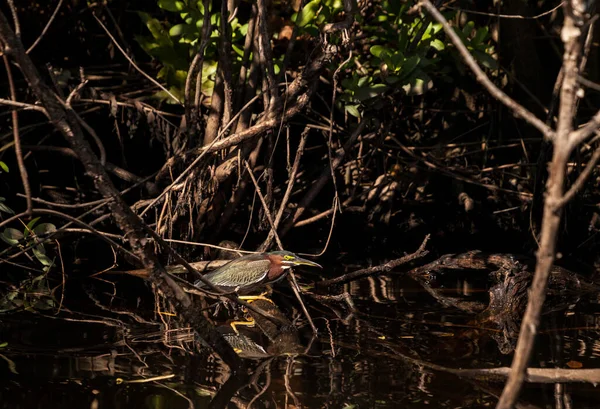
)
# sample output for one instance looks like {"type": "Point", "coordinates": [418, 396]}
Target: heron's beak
{"type": "Point", "coordinates": [299, 261]}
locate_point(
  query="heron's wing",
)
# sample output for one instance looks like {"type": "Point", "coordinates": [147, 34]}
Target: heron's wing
{"type": "Point", "coordinates": [240, 274]}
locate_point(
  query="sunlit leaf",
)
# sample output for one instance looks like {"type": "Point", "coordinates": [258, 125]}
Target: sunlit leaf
{"type": "Point", "coordinates": [171, 5]}
{"type": "Point", "coordinates": [156, 29]}
{"type": "Point", "coordinates": [376, 50]}
{"type": "Point", "coordinates": [3, 166]}
{"type": "Point", "coordinates": [11, 365]}
{"type": "Point", "coordinates": [352, 110]}
{"type": "Point", "coordinates": [11, 236]}
{"type": "Point", "coordinates": [308, 13]}
{"type": "Point", "coordinates": [480, 36]}
{"type": "Point", "coordinates": [182, 29]}
{"type": "Point", "coordinates": [418, 84]}
{"type": "Point", "coordinates": [468, 28]}
{"type": "Point", "coordinates": [362, 81]}
{"type": "Point", "coordinates": [30, 226]}
{"type": "Point", "coordinates": [44, 228]}
{"type": "Point", "coordinates": [237, 50]}
{"type": "Point", "coordinates": [40, 253]}
{"type": "Point", "coordinates": [438, 44]}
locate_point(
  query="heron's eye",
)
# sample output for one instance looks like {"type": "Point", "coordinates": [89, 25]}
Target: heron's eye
{"type": "Point", "coordinates": [289, 258]}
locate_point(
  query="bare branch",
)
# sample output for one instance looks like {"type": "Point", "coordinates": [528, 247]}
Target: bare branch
{"type": "Point", "coordinates": [571, 35]}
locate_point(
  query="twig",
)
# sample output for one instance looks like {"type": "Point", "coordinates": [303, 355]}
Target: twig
{"type": "Point", "coordinates": [264, 203]}
{"type": "Point", "coordinates": [585, 131]}
{"type": "Point", "coordinates": [46, 27]}
{"type": "Point", "coordinates": [220, 105]}
{"type": "Point", "coordinates": [387, 267]}
{"type": "Point", "coordinates": [590, 84]}
{"type": "Point", "coordinates": [16, 135]}
{"type": "Point", "coordinates": [324, 178]}
{"type": "Point", "coordinates": [288, 190]}
{"type": "Point", "coordinates": [273, 228]}
{"type": "Point", "coordinates": [64, 281]}
{"type": "Point", "coordinates": [578, 184]}
{"type": "Point", "coordinates": [15, 16]}
{"type": "Point", "coordinates": [206, 30]}
{"type": "Point", "coordinates": [334, 210]}
{"type": "Point", "coordinates": [322, 215]}
{"type": "Point", "coordinates": [507, 16]}
{"type": "Point", "coordinates": [23, 105]}
{"type": "Point", "coordinates": [152, 80]}
{"type": "Point", "coordinates": [297, 293]}
{"type": "Point", "coordinates": [266, 55]}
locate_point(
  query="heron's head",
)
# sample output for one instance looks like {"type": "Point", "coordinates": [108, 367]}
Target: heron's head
{"type": "Point", "coordinates": [287, 259]}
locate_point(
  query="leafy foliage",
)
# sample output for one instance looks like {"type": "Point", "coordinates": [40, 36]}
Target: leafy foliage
{"type": "Point", "coordinates": [29, 239]}
{"type": "Point", "coordinates": [175, 45]}
{"type": "Point", "coordinates": [407, 54]}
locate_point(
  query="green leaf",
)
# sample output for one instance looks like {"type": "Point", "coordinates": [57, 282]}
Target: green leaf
{"type": "Point", "coordinates": [30, 226]}
{"type": "Point", "coordinates": [3, 166]}
{"type": "Point", "coordinates": [11, 365]}
{"type": "Point", "coordinates": [368, 92]}
{"type": "Point", "coordinates": [40, 253]}
{"type": "Point", "coordinates": [386, 58]}
{"type": "Point", "coordinates": [237, 50]}
{"type": "Point", "coordinates": [376, 50]}
{"type": "Point", "coordinates": [485, 59]}
{"type": "Point", "coordinates": [348, 83]}
{"type": "Point", "coordinates": [308, 13]}
{"type": "Point", "coordinates": [182, 30]}
{"type": "Point", "coordinates": [409, 66]}
{"type": "Point", "coordinates": [171, 5]}
{"type": "Point", "coordinates": [11, 236]}
{"type": "Point", "coordinates": [480, 36]}
{"type": "Point", "coordinates": [468, 28]}
{"type": "Point", "coordinates": [156, 29]}
{"type": "Point", "coordinates": [392, 79]}
{"type": "Point", "coordinates": [418, 84]}
{"type": "Point", "coordinates": [311, 30]}
{"type": "Point", "coordinates": [397, 60]}
{"type": "Point", "coordinates": [44, 228]}
{"type": "Point", "coordinates": [4, 208]}
{"type": "Point", "coordinates": [352, 110]}
{"type": "Point", "coordinates": [362, 81]}
{"type": "Point", "coordinates": [438, 44]}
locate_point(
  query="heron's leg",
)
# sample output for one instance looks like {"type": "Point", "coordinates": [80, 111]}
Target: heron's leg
{"type": "Point", "coordinates": [250, 320]}
{"type": "Point", "coordinates": [251, 298]}
{"type": "Point", "coordinates": [249, 323]}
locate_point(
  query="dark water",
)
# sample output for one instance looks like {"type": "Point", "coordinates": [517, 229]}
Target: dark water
{"type": "Point", "coordinates": [109, 349]}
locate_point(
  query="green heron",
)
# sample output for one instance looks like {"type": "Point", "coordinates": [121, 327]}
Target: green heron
{"type": "Point", "coordinates": [248, 273]}
{"type": "Point", "coordinates": [252, 272]}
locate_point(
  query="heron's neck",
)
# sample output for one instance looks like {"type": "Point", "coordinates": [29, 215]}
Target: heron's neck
{"type": "Point", "coordinates": [277, 272]}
